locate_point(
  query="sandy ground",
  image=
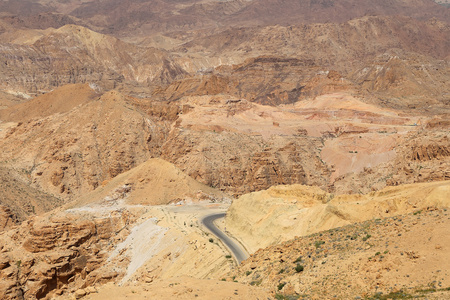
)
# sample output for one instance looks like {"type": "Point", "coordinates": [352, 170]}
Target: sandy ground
{"type": "Point", "coordinates": [322, 114]}
{"type": "Point", "coordinates": [181, 288]}
{"type": "Point", "coordinates": [355, 152]}
{"type": "Point", "coordinates": [166, 241]}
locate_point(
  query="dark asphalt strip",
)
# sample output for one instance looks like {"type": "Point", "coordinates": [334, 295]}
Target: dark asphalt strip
{"type": "Point", "coordinates": [208, 222]}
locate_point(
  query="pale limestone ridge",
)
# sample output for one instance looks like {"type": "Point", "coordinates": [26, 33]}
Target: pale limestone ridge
{"type": "Point", "coordinates": [280, 213]}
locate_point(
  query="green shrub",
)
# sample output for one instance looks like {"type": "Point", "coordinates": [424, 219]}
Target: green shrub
{"type": "Point", "coordinates": [366, 237]}
{"type": "Point", "coordinates": [299, 268]}
{"type": "Point", "coordinates": [318, 243]}
{"type": "Point", "coordinates": [256, 282]}
{"type": "Point", "coordinates": [281, 285]}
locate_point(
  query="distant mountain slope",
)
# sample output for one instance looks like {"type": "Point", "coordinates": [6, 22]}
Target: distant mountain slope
{"type": "Point", "coordinates": [75, 54]}
{"type": "Point", "coordinates": [394, 57]}
{"type": "Point", "coordinates": [188, 15]}
{"type": "Point", "coordinates": [151, 16]}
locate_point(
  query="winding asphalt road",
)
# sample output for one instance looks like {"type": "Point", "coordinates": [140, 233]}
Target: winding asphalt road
{"type": "Point", "coordinates": [237, 251]}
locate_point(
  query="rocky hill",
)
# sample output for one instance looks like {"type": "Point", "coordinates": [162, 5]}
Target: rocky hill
{"type": "Point", "coordinates": [377, 259]}
{"type": "Point", "coordinates": [72, 152]}
{"type": "Point", "coordinates": [57, 102]}
{"type": "Point", "coordinates": [19, 200]}
{"type": "Point", "coordinates": [154, 182]}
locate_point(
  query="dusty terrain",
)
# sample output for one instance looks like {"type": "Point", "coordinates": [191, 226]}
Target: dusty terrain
{"type": "Point", "coordinates": [117, 237]}
{"type": "Point", "coordinates": [396, 258]}
{"type": "Point", "coordinates": [182, 288]}
{"type": "Point", "coordinates": [280, 213]}
{"type": "Point", "coordinates": [321, 127]}
{"type": "Point", "coordinates": [71, 147]}
{"type": "Point", "coordinates": [338, 105]}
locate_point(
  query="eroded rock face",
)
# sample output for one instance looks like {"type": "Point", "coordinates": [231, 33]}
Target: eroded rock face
{"type": "Point", "coordinates": [268, 80]}
{"type": "Point", "coordinates": [430, 152]}
{"type": "Point", "coordinates": [425, 157]}
{"type": "Point", "coordinates": [57, 254]}
{"type": "Point", "coordinates": [58, 235]}
{"type": "Point", "coordinates": [7, 219]}
{"type": "Point", "coordinates": [245, 163]}
{"type": "Point", "coordinates": [421, 156]}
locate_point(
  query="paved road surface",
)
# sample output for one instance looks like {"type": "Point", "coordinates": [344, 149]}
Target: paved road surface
{"type": "Point", "coordinates": [237, 251]}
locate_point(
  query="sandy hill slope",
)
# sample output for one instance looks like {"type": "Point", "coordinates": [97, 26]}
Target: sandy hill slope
{"type": "Point", "coordinates": [399, 257]}
{"type": "Point", "coordinates": [59, 101]}
{"type": "Point", "coordinates": [153, 182]}
{"type": "Point", "coordinates": [280, 213]}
